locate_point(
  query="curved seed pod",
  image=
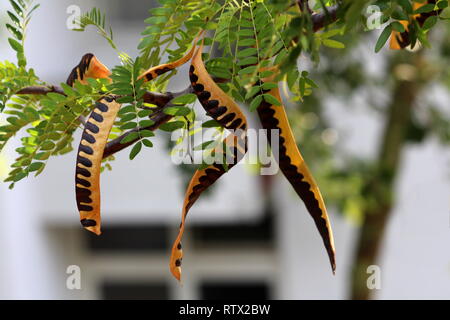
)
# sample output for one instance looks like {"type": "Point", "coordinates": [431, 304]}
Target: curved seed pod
{"type": "Point", "coordinates": [224, 110]}
{"type": "Point", "coordinates": [200, 181]}
{"type": "Point", "coordinates": [156, 71]}
{"type": "Point", "coordinates": [89, 67]}
{"type": "Point", "coordinates": [216, 103]}
{"type": "Point", "coordinates": [89, 160]}
{"type": "Point", "coordinates": [296, 171]}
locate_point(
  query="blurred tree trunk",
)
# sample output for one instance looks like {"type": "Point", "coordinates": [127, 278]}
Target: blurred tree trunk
{"type": "Point", "coordinates": [407, 72]}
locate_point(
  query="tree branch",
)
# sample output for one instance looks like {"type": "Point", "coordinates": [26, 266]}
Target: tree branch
{"type": "Point", "coordinates": [156, 98]}
{"type": "Point", "coordinates": [161, 100]}
{"type": "Point", "coordinates": [41, 90]}
{"type": "Point", "coordinates": [159, 118]}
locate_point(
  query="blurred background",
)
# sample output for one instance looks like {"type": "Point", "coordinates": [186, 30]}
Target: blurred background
{"type": "Point", "coordinates": [378, 125]}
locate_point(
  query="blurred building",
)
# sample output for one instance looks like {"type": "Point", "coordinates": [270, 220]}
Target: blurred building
{"type": "Point", "coordinates": [235, 246]}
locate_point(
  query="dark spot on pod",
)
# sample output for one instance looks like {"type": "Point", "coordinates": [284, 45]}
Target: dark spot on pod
{"type": "Point", "coordinates": [163, 70]}
{"type": "Point", "coordinates": [83, 195]}
{"type": "Point", "coordinates": [92, 127]}
{"type": "Point", "coordinates": [149, 76]}
{"type": "Point", "coordinates": [86, 149]}
{"type": "Point", "coordinates": [179, 246]}
{"type": "Point", "coordinates": [199, 87]}
{"type": "Point", "coordinates": [109, 98]}
{"type": "Point", "coordinates": [72, 77]}
{"type": "Point", "coordinates": [86, 162]}
{"type": "Point", "coordinates": [97, 117]}
{"type": "Point", "coordinates": [235, 124]}
{"type": "Point", "coordinates": [243, 127]}
{"type": "Point", "coordinates": [83, 192]}
{"type": "Point", "coordinates": [205, 181]}
{"type": "Point", "coordinates": [177, 262]}
{"type": "Point", "coordinates": [83, 172]}
{"type": "Point", "coordinates": [89, 138]}
{"type": "Point", "coordinates": [199, 188]}
{"type": "Point", "coordinates": [191, 68]}
{"type": "Point", "coordinates": [219, 167]}
{"type": "Point", "coordinates": [103, 107]}
{"type": "Point", "coordinates": [213, 174]}
{"type": "Point", "coordinates": [228, 118]}
{"type": "Point", "coordinates": [83, 182]}
{"type": "Point", "coordinates": [205, 95]}
{"type": "Point", "coordinates": [88, 223]}
{"type": "Point", "coordinates": [211, 104]}
{"type": "Point", "coordinates": [218, 112]}
{"type": "Point", "coordinates": [82, 207]}
{"type": "Point", "coordinates": [193, 77]}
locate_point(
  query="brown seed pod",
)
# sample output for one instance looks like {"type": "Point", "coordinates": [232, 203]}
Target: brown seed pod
{"type": "Point", "coordinates": [89, 67]}
{"type": "Point", "coordinates": [89, 161]}
{"type": "Point", "coordinates": [201, 180]}
{"type": "Point", "coordinates": [216, 103]}
{"type": "Point", "coordinates": [154, 72]}
{"type": "Point", "coordinates": [295, 170]}
{"type": "Point", "coordinates": [227, 113]}
{"type": "Point", "coordinates": [95, 136]}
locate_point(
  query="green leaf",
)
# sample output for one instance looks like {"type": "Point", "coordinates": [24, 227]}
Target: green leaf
{"type": "Point", "coordinates": [247, 70]}
{"type": "Point", "coordinates": [384, 36]}
{"type": "Point", "coordinates": [253, 90]}
{"type": "Point", "coordinates": [146, 133]}
{"type": "Point", "coordinates": [210, 124]}
{"type": "Point", "coordinates": [333, 44]}
{"type": "Point", "coordinates": [15, 45]}
{"type": "Point", "coordinates": [147, 143]}
{"type": "Point", "coordinates": [184, 99]}
{"type": "Point", "coordinates": [135, 150]}
{"type": "Point", "coordinates": [35, 166]}
{"type": "Point", "coordinates": [177, 111]}
{"type": "Point", "coordinates": [426, 8]}
{"type": "Point", "coordinates": [256, 102]}
{"type": "Point", "coordinates": [430, 22]}
{"type": "Point", "coordinates": [269, 86]}
{"type": "Point", "coordinates": [130, 137]}
{"type": "Point", "coordinates": [14, 31]}
{"type": "Point", "coordinates": [19, 176]}
{"type": "Point", "coordinates": [271, 99]}
{"type": "Point", "coordinates": [146, 123]}
{"type": "Point", "coordinates": [128, 125]}
{"type": "Point", "coordinates": [172, 126]}
{"type": "Point", "coordinates": [247, 61]}
{"type": "Point", "coordinates": [247, 52]}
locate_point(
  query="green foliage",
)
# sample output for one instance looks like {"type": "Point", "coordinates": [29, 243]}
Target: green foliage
{"type": "Point", "coordinates": [250, 46]}
{"type": "Point", "coordinates": [49, 124]}
{"type": "Point", "coordinates": [19, 18]}
{"type": "Point", "coordinates": [12, 79]}
{"type": "Point", "coordinates": [402, 10]}
{"type": "Point", "coordinates": [97, 19]}
{"type": "Point", "coordinates": [175, 21]}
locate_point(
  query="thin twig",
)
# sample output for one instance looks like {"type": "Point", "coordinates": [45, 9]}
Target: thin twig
{"type": "Point", "coordinates": [158, 119]}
